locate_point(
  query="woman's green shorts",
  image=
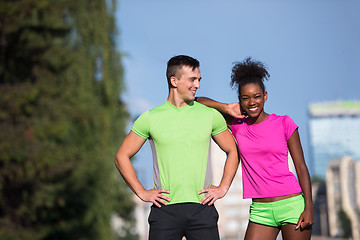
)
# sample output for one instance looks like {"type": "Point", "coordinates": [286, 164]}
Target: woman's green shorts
{"type": "Point", "coordinates": [277, 213]}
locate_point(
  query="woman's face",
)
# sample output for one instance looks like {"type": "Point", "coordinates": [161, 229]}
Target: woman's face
{"type": "Point", "coordinates": [252, 100]}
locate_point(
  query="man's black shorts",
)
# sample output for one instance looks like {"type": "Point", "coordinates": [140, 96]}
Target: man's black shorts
{"type": "Point", "coordinates": [192, 220]}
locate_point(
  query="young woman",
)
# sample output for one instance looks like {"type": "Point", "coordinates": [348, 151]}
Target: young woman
{"type": "Point", "coordinates": [279, 200]}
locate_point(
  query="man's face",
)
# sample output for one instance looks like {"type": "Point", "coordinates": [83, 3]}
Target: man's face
{"type": "Point", "coordinates": [188, 83]}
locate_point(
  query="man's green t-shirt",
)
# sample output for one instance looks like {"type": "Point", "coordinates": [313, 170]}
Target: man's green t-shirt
{"type": "Point", "coordinates": [180, 140]}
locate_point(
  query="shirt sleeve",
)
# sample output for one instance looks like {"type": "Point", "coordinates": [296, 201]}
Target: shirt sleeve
{"type": "Point", "coordinates": [289, 126]}
{"type": "Point", "coordinates": [141, 126]}
{"type": "Point", "coordinates": [219, 123]}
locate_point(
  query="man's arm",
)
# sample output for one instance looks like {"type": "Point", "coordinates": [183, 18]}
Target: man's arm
{"type": "Point", "coordinates": [227, 143]}
{"type": "Point", "coordinates": [128, 148]}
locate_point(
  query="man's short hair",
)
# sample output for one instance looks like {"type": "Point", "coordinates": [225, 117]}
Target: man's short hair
{"type": "Point", "coordinates": [176, 63]}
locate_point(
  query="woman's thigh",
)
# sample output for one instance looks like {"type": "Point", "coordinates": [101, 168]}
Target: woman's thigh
{"type": "Point", "coordinates": [257, 231]}
{"type": "Point", "coordinates": [289, 233]}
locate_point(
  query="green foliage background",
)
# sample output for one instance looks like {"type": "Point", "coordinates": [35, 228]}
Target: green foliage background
{"type": "Point", "coordinates": [61, 121]}
{"type": "Point", "coordinates": [345, 224]}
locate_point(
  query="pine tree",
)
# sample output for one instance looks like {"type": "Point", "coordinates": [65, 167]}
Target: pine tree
{"type": "Point", "coordinates": [61, 120]}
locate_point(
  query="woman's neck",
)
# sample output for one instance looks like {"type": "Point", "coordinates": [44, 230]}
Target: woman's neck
{"type": "Point", "coordinates": [260, 118]}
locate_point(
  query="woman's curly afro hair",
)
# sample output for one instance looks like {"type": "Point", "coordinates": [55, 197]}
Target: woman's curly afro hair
{"type": "Point", "coordinates": [248, 71]}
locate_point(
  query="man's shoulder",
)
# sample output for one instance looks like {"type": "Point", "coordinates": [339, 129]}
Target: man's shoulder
{"type": "Point", "coordinates": [150, 112]}
{"type": "Point", "coordinates": [156, 112]}
{"type": "Point", "coordinates": [204, 107]}
{"type": "Point", "coordinates": [157, 108]}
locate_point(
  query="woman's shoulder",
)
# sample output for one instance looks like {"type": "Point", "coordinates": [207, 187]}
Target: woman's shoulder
{"type": "Point", "coordinates": [274, 116]}
{"type": "Point", "coordinates": [284, 120]}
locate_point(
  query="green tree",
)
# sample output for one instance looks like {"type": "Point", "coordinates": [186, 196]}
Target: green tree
{"type": "Point", "coordinates": [345, 224]}
{"type": "Point", "coordinates": [61, 120]}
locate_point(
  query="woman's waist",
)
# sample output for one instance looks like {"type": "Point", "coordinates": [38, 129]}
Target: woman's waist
{"type": "Point", "coordinates": [274, 199]}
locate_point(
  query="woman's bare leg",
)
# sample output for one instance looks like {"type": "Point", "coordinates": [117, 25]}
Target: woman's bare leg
{"type": "Point", "coordinates": [256, 231]}
{"type": "Point", "coordinates": [289, 233]}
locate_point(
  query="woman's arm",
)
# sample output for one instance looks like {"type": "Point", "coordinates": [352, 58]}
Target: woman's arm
{"type": "Point", "coordinates": [229, 111]}
{"type": "Point", "coordinates": [307, 217]}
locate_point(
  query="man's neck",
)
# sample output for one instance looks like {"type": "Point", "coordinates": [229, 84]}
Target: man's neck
{"type": "Point", "coordinates": [177, 101]}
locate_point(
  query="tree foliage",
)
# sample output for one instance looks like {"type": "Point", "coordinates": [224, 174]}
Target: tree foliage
{"type": "Point", "coordinates": [61, 120]}
{"type": "Point", "coordinates": [345, 224]}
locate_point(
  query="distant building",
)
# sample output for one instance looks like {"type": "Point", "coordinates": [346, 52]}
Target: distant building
{"type": "Point", "coordinates": [334, 130]}
{"type": "Point", "coordinates": [321, 226]}
{"type": "Point", "coordinates": [343, 197]}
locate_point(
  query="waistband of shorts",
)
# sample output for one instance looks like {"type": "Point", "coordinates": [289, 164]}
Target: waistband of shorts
{"type": "Point", "coordinates": [280, 202]}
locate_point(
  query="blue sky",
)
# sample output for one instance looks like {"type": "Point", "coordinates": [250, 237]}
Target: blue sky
{"type": "Point", "coordinates": [311, 49]}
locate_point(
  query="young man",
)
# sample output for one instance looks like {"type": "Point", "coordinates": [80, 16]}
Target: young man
{"type": "Point", "coordinates": [179, 132]}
